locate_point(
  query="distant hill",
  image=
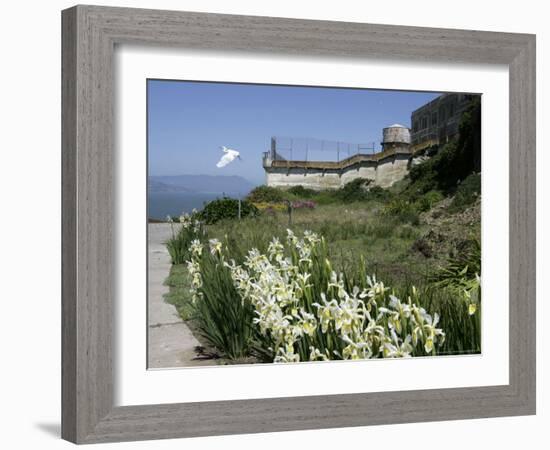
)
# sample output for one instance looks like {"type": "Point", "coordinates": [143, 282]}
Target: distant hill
{"type": "Point", "coordinates": [157, 186]}
{"type": "Point", "coordinates": [228, 184]}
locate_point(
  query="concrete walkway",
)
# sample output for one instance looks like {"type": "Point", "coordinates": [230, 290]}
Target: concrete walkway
{"type": "Point", "coordinates": [171, 343]}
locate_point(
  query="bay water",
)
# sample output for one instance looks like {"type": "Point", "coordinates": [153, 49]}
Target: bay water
{"type": "Point", "coordinates": [162, 204]}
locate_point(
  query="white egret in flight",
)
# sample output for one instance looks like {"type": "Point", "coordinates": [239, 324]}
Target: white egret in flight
{"type": "Point", "coordinates": [229, 156]}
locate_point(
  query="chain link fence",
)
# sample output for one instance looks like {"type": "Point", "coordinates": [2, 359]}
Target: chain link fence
{"type": "Point", "coordinates": [311, 149]}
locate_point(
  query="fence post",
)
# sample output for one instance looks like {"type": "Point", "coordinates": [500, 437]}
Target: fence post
{"type": "Point", "coordinates": [289, 210]}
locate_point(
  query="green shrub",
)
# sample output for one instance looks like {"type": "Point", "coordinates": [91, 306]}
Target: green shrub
{"type": "Point", "coordinates": [226, 208]}
{"type": "Point", "coordinates": [428, 200]}
{"type": "Point", "coordinates": [354, 191]}
{"type": "Point", "coordinates": [302, 192]}
{"type": "Point", "coordinates": [422, 171]}
{"type": "Point", "coordinates": [357, 190]}
{"type": "Point", "coordinates": [469, 139]}
{"type": "Point", "coordinates": [436, 173]}
{"type": "Point", "coordinates": [402, 211]}
{"type": "Point", "coordinates": [264, 193]}
{"type": "Point", "coordinates": [453, 161]}
{"type": "Point", "coordinates": [378, 193]}
{"type": "Point", "coordinates": [467, 192]}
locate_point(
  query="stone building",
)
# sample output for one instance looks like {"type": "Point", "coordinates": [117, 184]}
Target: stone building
{"type": "Point", "coordinates": [433, 124]}
{"type": "Point", "coordinates": [383, 168]}
{"type": "Point", "coordinates": [437, 122]}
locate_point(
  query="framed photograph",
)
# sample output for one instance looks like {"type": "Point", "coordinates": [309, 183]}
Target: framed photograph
{"type": "Point", "coordinates": [278, 224]}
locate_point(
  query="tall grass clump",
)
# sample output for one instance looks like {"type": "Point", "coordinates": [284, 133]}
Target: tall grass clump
{"type": "Point", "coordinates": [460, 284]}
{"type": "Point", "coordinates": [222, 316]}
{"type": "Point", "coordinates": [189, 229]}
{"type": "Point", "coordinates": [240, 236]}
{"type": "Point", "coordinates": [461, 268]}
{"type": "Point", "coordinates": [460, 320]}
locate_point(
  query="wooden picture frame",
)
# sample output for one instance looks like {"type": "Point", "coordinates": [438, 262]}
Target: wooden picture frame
{"type": "Point", "coordinates": [90, 34]}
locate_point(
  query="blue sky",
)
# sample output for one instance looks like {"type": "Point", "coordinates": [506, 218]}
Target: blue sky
{"type": "Point", "coordinates": [188, 121]}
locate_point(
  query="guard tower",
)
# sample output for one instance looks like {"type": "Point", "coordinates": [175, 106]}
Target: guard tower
{"type": "Point", "coordinates": [396, 138]}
